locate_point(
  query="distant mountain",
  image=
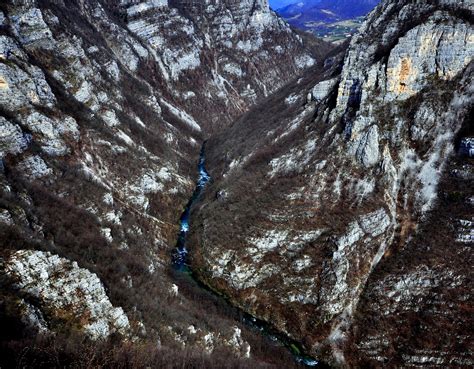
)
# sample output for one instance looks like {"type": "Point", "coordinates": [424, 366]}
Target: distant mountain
{"type": "Point", "coordinates": [306, 11]}
{"type": "Point", "coordinates": [339, 8]}
{"type": "Point", "coordinates": [348, 8]}
{"type": "Point", "coordinates": [327, 17]}
{"type": "Point", "coordinates": [298, 6]}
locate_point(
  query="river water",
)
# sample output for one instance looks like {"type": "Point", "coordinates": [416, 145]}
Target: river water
{"type": "Point", "coordinates": [180, 257]}
{"type": "Point", "coordinates": [181, 263]}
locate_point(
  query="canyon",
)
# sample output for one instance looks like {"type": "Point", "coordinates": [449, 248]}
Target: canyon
{"type": "Point", "coordinates": [334, 209]}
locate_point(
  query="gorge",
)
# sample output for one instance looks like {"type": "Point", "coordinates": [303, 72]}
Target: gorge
{"type": "Point", "coordinates": [179, 177]}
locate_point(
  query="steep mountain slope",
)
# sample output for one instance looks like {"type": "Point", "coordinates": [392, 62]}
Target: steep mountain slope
{"type": "Point", "coordinates": [103, 109]}
{"type": "Point", "coordinates": [421, 296]}
{"type": "Point", "coordinates": [220, 57]}
{"type": "Point", "coordinates": [320, 215]}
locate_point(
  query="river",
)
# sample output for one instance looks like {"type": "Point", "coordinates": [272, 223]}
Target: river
{"type": "Point", "coordinates": [181, 263]}
{"type": "Point", "coordinates": [180, 256]}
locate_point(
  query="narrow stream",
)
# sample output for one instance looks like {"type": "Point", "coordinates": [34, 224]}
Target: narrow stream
{"type": "Point", "coordinates": [180, 257]}
{"type": "Point", "coordinates": [180, 263]}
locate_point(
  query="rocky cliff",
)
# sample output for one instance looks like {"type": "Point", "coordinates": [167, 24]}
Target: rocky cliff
{"type": "Point", "coordinates": [103, 109]}
{"type": "Point", "coordinates": [339, 218]}
{"type": "Point", "coordinates": [214, 52]}
{"type": "Point", "coordinates": [66, 293]}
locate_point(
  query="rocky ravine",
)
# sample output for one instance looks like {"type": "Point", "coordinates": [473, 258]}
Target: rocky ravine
{"type": "Point", "coordinates": [103, 109]}
{"type": "Point", "coordinates": [326, 216]}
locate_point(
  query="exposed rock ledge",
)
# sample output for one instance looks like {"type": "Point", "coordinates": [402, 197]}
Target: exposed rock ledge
{"type": "Point", "coordinates": [64, 291]}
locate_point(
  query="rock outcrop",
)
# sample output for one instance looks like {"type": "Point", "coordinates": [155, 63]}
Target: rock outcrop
{"type": "Point", "coordinates": [63, 292]}
{"type": "Point", "coordinates": [339, 184]}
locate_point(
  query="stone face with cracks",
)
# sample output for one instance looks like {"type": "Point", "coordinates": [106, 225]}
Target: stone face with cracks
{"type": "Point", "coordinates": [65, 292]}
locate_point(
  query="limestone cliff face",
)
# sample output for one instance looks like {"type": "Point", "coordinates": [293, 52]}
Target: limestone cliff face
{"type": "Point", "coordinates": [218, 54]}
{"type": "Point", "coordinates": [103, 109]}
{"type": "Point", "coordinates": [337, 181]}
{"type": "Point", "coordinates": [69, 295]}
